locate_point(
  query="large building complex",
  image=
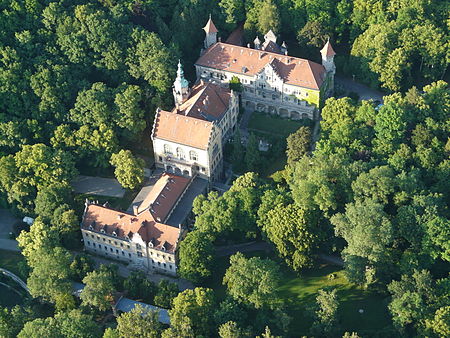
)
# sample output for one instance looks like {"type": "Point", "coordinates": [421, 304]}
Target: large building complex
{"type": "Point", "coordinates": [188, 141]}
{"type": "Point", "coordinates": [273, 81]}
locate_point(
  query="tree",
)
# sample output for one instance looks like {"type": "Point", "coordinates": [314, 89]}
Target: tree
{"type": "Point", "coordinates": [268, 17]}
{"type": "Point", "coordinates": [99, 290]}
{"type": "Point", "coordinates": [313, 34]}
{"type": "Point", "coordinates": [196, 256]}
{"type": "Point", "coordinates": [167, 291]}
{"type": "Point", "coordinates": [49, 277]}
{"type": "Point", "coordinates": [234, 10]}
{"type": "Point", "coordinates": [76, 324]}
{"type": "Point", "coordinates": [325, 312]}
{"type": "Point", "coordinates": [412, 298]}
{"type": "Point", "coordinates": [253, 281]}
{"type": "Point", "coordinates": [139, 322]}
{"type": "Point", "coordinates": [50, 198]}
{"type": "Point", "coordinates": [231, 330]}
{"type": "Point", "coordinates": [40, 327]}
{"type": "Point", "coordinates": [129, 170]}
{"type": "Point", "coordinates": [237, 155]}
{"type": "Point", "coordinates": [12, 320]}
{"type": "Point", "coordinates": [298, 144]}
{"type": "Point", "coordinates": [294, 232]}
{"type": "Point", "coordinates": [439, 325]}
{"type": "Point", "coordinates": [195, 306]}
{"type": "Point", "coordinates": [230, 310]}
{"type": "Point", "coordinates": [252, 156]}
{"type": "Point", "coordinates": [368, 231]}
{"type": "Point", "coordinates": [235, 84]}
{"type": "Point", "coordinates": [139, 287]}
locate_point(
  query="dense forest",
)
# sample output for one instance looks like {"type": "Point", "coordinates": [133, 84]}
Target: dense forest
{"type": "Point", "coordinates": [79, 84]}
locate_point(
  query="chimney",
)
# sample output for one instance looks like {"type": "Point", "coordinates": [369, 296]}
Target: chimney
{"type": "Point", "coordinates": [220, 39]}
{"type": "Point", "coordinates": [248, 45]}
{"type": "Point", "coordinates": [135, 209]}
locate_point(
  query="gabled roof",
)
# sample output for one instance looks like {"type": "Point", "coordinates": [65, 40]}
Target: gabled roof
{"type": "Point", "coordinates": [328, 50]}
{"type": "Point", "coordinates": [181, 129]}
{"type": "Point", "coordinates": [125, 225]}
{"type": "Point", "coordinates": [270, 36]}
{"type": "Point", "coordinates": [210, 27]}
{"type": "Point", "coordinates": [294, 71]}
{"type": "Point", "coordinates": [207, 102]}
{"type": "Point", "coordinates": [270, 46]}
{"type": "Point", "coordinates": [164, 195]}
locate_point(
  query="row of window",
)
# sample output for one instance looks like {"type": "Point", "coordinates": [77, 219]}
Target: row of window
{"type": "Point", "coordinates": [193, 156]}
{"type": "Point", "coordinates": [123, 254]}
{"type": "Point", "coordinates": [138, 247]}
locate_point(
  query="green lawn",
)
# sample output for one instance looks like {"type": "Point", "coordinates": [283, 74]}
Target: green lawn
{"type": "Point", "coordinates": [114, 202]}
{"type": "Point", "coordinates": [299, 292]}
{"type": "Point", "coordinates": [274, 125]}
{"type": "Point", "coordinates": [13, 261]}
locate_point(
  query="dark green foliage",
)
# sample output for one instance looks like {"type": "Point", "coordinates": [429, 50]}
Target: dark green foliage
{"type": "Point", "coordinates": [167, 291]}
{"type": "Point", "coordinates": [298, 144]}
{"type": "Point", "coordinates": [139, 287]}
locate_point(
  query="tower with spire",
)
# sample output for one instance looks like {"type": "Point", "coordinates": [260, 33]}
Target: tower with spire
{"type": "Point", "coordinates": [328, 54]}
{"type": "Point", "coordinates": [180, 86]}
{"type": "Point", "coordinates": [211, 33]}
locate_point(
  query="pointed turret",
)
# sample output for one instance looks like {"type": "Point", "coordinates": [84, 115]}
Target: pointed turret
{"type": "Point", "coordinates": [180, 86]}
{"type": "Point", "coordinates": [211, 33]}
{"type": "Point", "coordinates": [284, 48]}
{"type": "Point", "coordinates": [257, 43]}
{"type": "Point", "coordinates": [328, 54]}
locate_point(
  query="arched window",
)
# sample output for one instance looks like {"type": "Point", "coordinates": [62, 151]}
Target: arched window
{"type": "Point", "coordinates": [167, 149]}
{"type": "Point", "coordinates": [193, 155]}
{"type": "Point", "coordinates": [180, 153]}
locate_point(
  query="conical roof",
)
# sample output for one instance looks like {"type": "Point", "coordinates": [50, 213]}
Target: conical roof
{"type": "Point", "coordinates": [210, 27]}
{"type": "Point", "coordinates": [327, 50]}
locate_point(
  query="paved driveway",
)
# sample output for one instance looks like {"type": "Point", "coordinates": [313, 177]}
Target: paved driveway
{"type": "Point", "coordinates": [98, 186]}
{"type": "Point", "coordinates": [7, 220]}
{"type": "Point", "coordinates": [364, 92]}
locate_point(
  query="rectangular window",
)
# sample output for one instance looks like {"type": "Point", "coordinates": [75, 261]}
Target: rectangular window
{"type": "Point", "coordinates": [138, 246]}
{"type": "Point", "coordinates": [115, 243]}
{"type": "Point", "coordinates": [123, 253]}
{"type": "Point", "coordinates": [89, 243]}
{"type": "Point", "coordinates": [139, 254]}
{"type": "Point", "coordinates": [93, 244]}
{"type": "Point", "coordinates": [109, 241]}
{"type": "Point", "coordinates": [121, 244]}
{"type": "Point", "coordinates": [111, 249]}
{"type": "Point", "coordinates": [129, 255]}
{"type": "Point", "coordinates": [104, 240]}
{"type": "Point", "coordinates": [117, 251]}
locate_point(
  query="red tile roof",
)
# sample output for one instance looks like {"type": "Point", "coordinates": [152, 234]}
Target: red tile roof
{"type": "Point", "coordinates": [164, 195]}
{"type": "Point", "coordinates": [123, 225]}
{"type": "Point", "coordinates": [328, 49]}
{"type": "Point", "coordinates": [207, 102]}
{"type": "Point", "coordinates": [210, 27]}
{"type": "Point", "coordinates": [247, 61]}
{"type": "Point", "coordinates": [182, 129]}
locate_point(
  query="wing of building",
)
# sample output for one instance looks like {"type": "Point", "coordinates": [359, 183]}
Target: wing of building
{"type": "Point", "coordinates": [273, 81]}
{"type": "Point", "coordinates": [142, 238]}
{"type": "Point", "coordinates": [188, 140]}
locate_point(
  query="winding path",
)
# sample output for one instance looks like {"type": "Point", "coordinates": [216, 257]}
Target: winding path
{"type": "Point", "coordinates": [22, 284]}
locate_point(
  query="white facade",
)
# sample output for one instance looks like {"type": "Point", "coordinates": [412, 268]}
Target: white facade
{"type": "Point", "coordinates": [185, 160]}
{"type": "Point", "coordinates": [131, 251]}
{"type": "Point", "coordinates": [266, 92]}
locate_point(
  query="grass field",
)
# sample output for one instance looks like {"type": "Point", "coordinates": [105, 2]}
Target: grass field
{"type": "Point", "coordinates": [299, 292]}
{"type": "Point", "coordinates": [274, 125]}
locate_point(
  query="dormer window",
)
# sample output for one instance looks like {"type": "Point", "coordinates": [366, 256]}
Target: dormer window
{"type": "Point", "coordinates": [102, 231]}
{"type": "Point", "coordinates": [91, 227]}
{"type": "Point", "coordinates": [114, 234]}
{"type": "Point", "coordinates": [150, 243]}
